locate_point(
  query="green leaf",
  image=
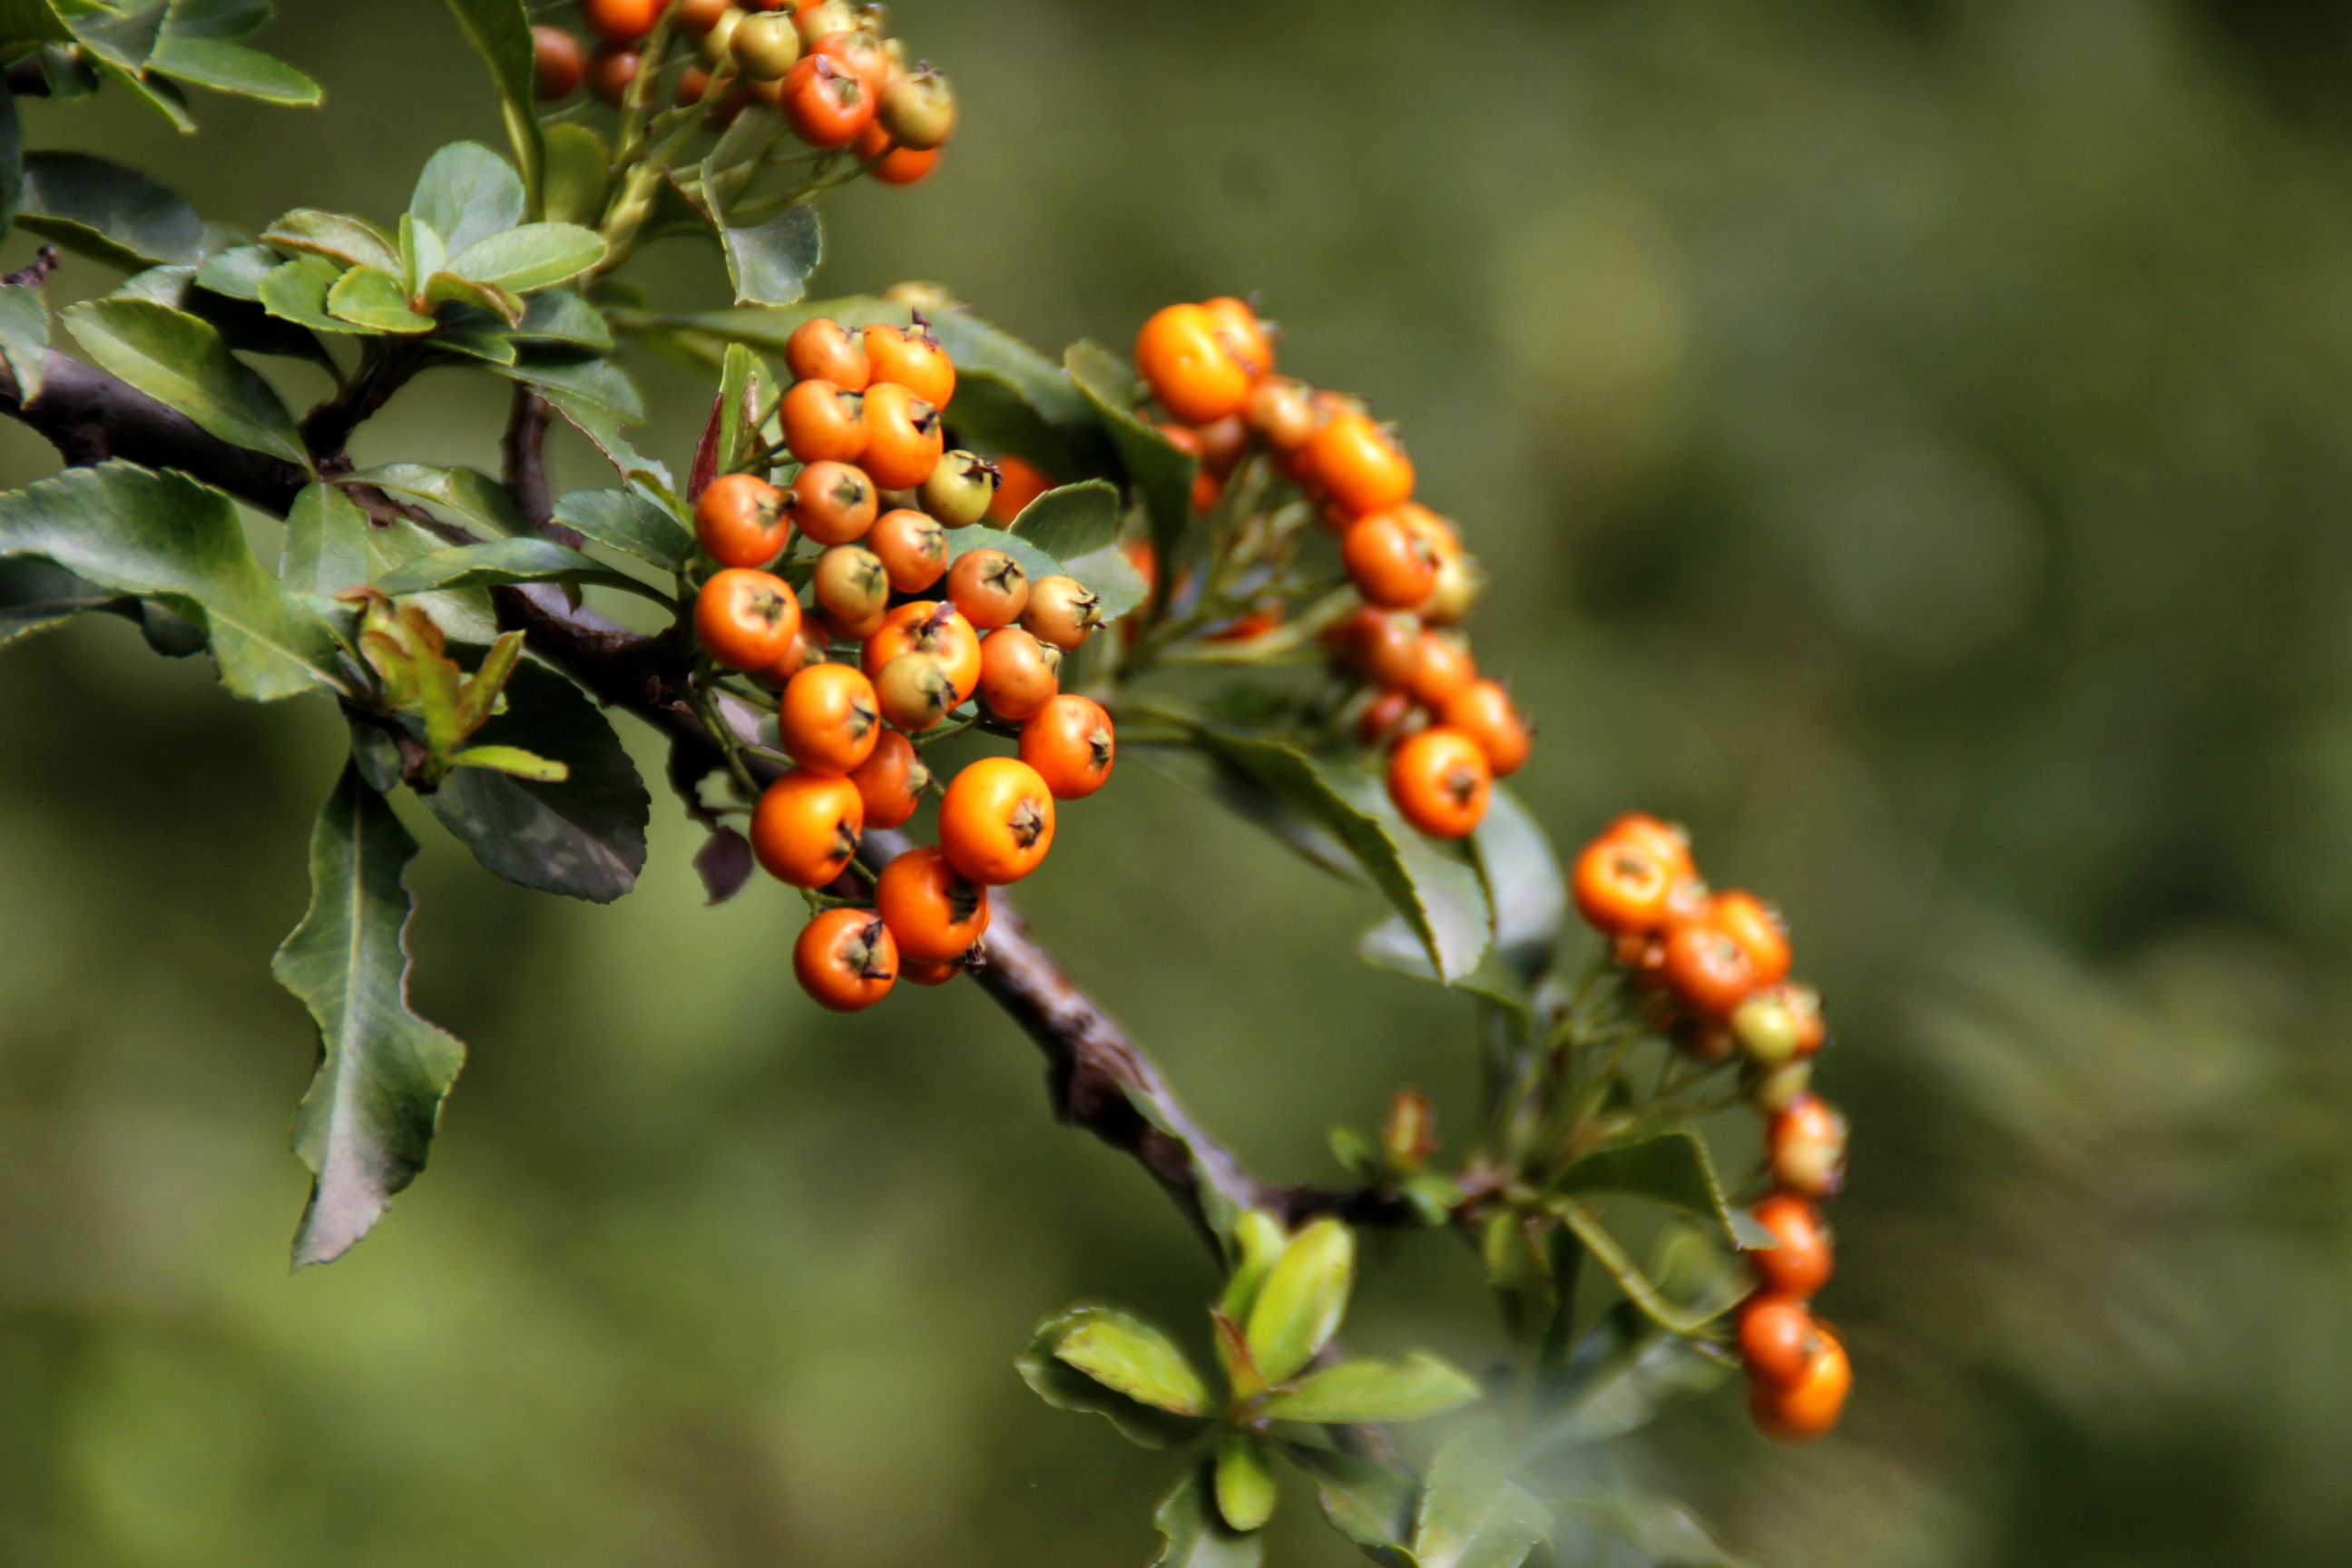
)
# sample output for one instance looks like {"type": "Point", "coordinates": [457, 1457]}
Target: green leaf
{"type": "Point", "coordinates": [584, 837]}
{"type": "Point", "coordinates": [463, 614]}
{"type": "Point", "coordinates": [735, 407]}
{"type": "Point", "coordinates": [579, 171]}
{"type": "Point", "coordinates": [24, 337]}
{"type": "Point", "coordinates": [1674, 1169]}
{"type": "Point", "coordinates": [238, 271]}
{"type": "Point", "coordinates": [628, 523]}
{"type": "Point", "coordinates": [1245, 1489]}
{"type": "Point", "coordinates": [1197, 1537]}
{"type": "Point", "coordinates": [36, 595]}
{"type": "Point", "coordinates": [181, 361]}
{"type": "Point", "coordinates": [479, 699]}
{"type": "Point", "coordinates": [989, 414]}
{"type": "Point", "coordinates": [296, 291]}
{"type": "Point", "coordinates": [1065, 1387]}
{"type": "Point", "coordinates": [586, 376]}
{"type": "Point", "coordinates": [118, 32]}
{"type": "Point", "coordinates": [107, 212]}
{"type": "Point", "coordinates": [1075, 519]}
{"type": "Point", "coordinates": [1660, 1527]}
{"type": "Point", "coordinates": [164, 536]}
{"type": "Point", "coordinates": [1369, 1504]}
{"type": "Point", "coordinates": [468, 192]}
{"type": "Point", "coordinates": [532, 256]}
{"type": "Point", "coordinates": [33, 20]}
{"type": "Point", "coordinates": [241, 322]}
{"type": "Point", "coordinates": [12, 161]}
{"type": "Point", "coordinates": [1245, 797]}
{"type": "Point", "coordinates": [367, 1122]}
{"type": "Point", "coordinates": [499, 31]}
{"type": "Point", "coordinates": [512, 760]}
{"type": "Point", "coordinates": [1257, 1243]}
{"type": "Point", "coordinates": [1472, 1514]}
{"type": "Point", "coordinates": [1625, 1373]}
{"type": "Point", "coordinates": [1111, 577]}
{"type": "Point", "coordinates": [465, 494]}
{"type": "Point", "coordinates": [445, 288]}
{"type": "Point", "coordinates": [1162, 475]}
{"type": "Point", "coordinates": [560, 316]}
{"type": "Point", "coordinates": [421, 252]}
{"type": "Point", "coordinates": [601, 423]}
{"type": "Point", "coordinates": [1126, 1354]}
{"type": "Point", "coordinates": [769, 263]}
{"type": "Point", "coordinates": [338, 237]}
{"type": "Point", "coordinates": [377, 300]}
{"type": "Point", "coordinates": [1639, 1288]}
{"type": "Point", "coordinates": [500, 562]}
{"type": "Point", "coordinates": [233, 69]}
{"type": "Point", "coordinates": [1438, 895]}
{"type": "Point", "coordinates": [217, 18]}
{"type": "Point", "coordinates": [1419, 1386]}
{"type": "Point", "coordinates": [326, 547]}
{"type": "Point", "coordinates": [1524, 883]}
{"type": "Point", "coordinates": [1395, 946]}
{"type": "Point", "coordinates": [1305, 1296]}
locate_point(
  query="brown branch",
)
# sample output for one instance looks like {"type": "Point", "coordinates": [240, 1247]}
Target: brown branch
{"type": "Point", "coordinates": [90, 417]}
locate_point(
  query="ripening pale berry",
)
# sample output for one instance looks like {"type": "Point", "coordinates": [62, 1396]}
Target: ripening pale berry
{"type": "Point", "coordinates": [1776, 1338]}
{"type": "Point", "coordinates": [746, 620]}
{"type": "Point", "coordinates": [919, 108]}
{"type": "Point", "coordinates": [833, 502]}
{"type": "Point", "coordinates": [891, 780]}
{"type": "Point", "coordinates": [1061, 611]}
{"type": "Point", "coordinates": [1809, 1407]}
{"type": "Point", "coordinates": [715, 38]}
{"type": "Point", "coordinates": [1282, 411]}
{"type": "Point", "coordinates": [846, 959]}
{"type": "Point", "coordinates": [903, 436]}
{"type": "Point", "coordinates": [1806, 1145]}
{"type": "Point", "coordinates": [1381, 646]}
{"type": "Point", "coordinates": [996, 822]}
{"type": "Point", "coordinates": [822, 349]}
{"type": "Point", "coordinates": [556, 64]}
{"type": "Point", "coordinates": [1773, 1026]}
{"type": "Point", "coordinates": [961, 488]}
{"type": "Point", "coordinates": [766, 45]}
{"type": "Point", "coordinates": [912, 357]}
{"type": "Point", "coordinates": [1774, 1091]}
{"type": "Point", "coordinates": [1017, 680]}
{"type": "Point", "coordinates": [823, 423]}
{"type": "Point", "coordinates": [914, 692]}
{"type": "Point", "coordinates": [1071, 743]}
{"type": "Point", "coordinates": [808, 649]}
{"type": "Point", "coordinates": [739, 519]}
{"type": "Point", "coordinates": [1439, 779]}
{"type": "Point", "coordinates": [1191, 371]}
{"type": "Point", "coordinates": [1804, 1260]}
{"type": "Point", "coordinates": [1359, 463]}
{"type": "Point", "coordinates": [928, 974]}
{"type": "Point", "coordinates": [989, 588]}
{"type": "Point", "coordinates": [1460, 581]}
{"type": "Point", "coordinates": [929, 626]}
{"type": "Point", "coordinates": [1484, 711]}
{"type": "Point", "coordinates": [806, 828]}
{"type": "Point", "coordinates": [827, 720]}
{"type": "Point", "coordinates": [934, 911]}
{"type": "Point", "coordinates": [851, 584]}
{"type": "Point", "coordinates": [825, 105]}
{"type": "Point", "coordinates": [822, 18]}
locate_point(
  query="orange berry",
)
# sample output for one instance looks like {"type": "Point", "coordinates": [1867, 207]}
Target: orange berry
{"type": "Point", "coordinates": [1776, 1338]}
{"type": "Point", "coordinates": [846, 959]}
{"type": "Point", "coordinates": [1282, 411]}
{"type": "Point", "coordinates": [989, 588]}
{"type": "Point", "coordinates": [556, 64]}
{"type": "Point", "coordinates": [1016, 679]}
{"type": "Point", "coordinates": [822, 349]}
{"type": "Point", "coordinates": [1181, 352]}
{"type": "Point", "coordinates": [935, 912]}
{"type": "Point", "coordinates": [1804, 1260]}
{"type": "Point", "coordinates": [833, 502]}
{"type": "Point", "coordinates": [823, 423]}
{"type": "Point", "coordinates": [1757, 928]}
{"type": "Point", "coordinates": [930, 974]}
{"type": "Point", "coordinates": [857, 51]}
{"type": "Point", "coordinates": [746, 620]}
{"type": "Point", "coordinates": [1071, 743]}
{"type": "Point", "coordinates": [1806, 1145]}
{"type": "Point", "coordinates": [1019, 483]}
{"type": "Point", "coordinates": [1381, 647]}
{"type": "Point", "coordinates": [621, 21]}
{"type": "Point", "coordinates": [996, 822]}
{"type": "Point", "coordinates": [1440, 667]}
{"type": "Point", "coordinates": [904, 437]}
{"type": "Point", "coordinates": [611, 68]}
{"type": "Point", "coordinates": [1440, 781]}
{"type": "Point", "coordinates": [1244, 336]}
{"type": "Point", "coordinates": [912, 546]}
{"type": "Point", "coordinates": [911, 356]}
{"type": "Point", "coordinates": [825, 105]}
{"type": "Point", "coordinates": [1393, 567]}
{"type": "Point", "coordinates": [891, 780]}
{"type": "Point", "coordinates": [740, 521]}
{"type": "Point", "coordinates": [1808, 1408]}
{"type": "Point", "coordinates": [1483, 711]}
{"type": "Point", "coordinates": [1708, 970]}
{"type": "Point", "coordinates": [808, 649]}
{"type": "Point", "coordinates": [1359, 463]}
{"type": "Point", "coordinates": [929, 626]}
{"type": "Point", "coordinates": [1386, 714]}
{"type": "Point", "coordinates": [806, 828]}
{"type": "Point", "coordinates": [827, 720]}
{"type": "Point", "coordinates": [1062, 611]}
{"type": "Point", "coordinates": [1666, 840]}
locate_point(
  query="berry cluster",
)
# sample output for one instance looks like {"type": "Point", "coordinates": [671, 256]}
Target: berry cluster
{"type": "Point", "coordinates": [1723, 958]}
{"type": "Point", "coordinates": [830, 70]}
{"type": "Point", "coordinates": [892, 642]}
{"type": "Point", "coordinates": [1211, 365]}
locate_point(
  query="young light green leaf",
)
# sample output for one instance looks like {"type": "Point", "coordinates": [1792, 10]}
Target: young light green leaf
{"type": "Point", "coordinates": [296, 291]}
{"type": "Point", "coordinates": [24, 338]}
{"type": "Point", "coordinates": [1658, 1527]}
{"type": "Point", "coordinates": [468, 192]}
{"type": "Point", "coordinates": [338, 237]}
{"type": "Point", "coordinates": [421, 252]}
{"type": "Point", "coordinates": [561, 317]}
{"type": "Point", "coordinates": [367, 1122]}
{"type": "Point", "coordinates": [499, 31]}
{"type": "Point", "coordinates": [535, 255]}
{"type": "Point", "coordinates": [579, 171]}
{"type": "Point", "coordinates": [164, 536]}
{"type": "Point", "coordinates": [1074, 520]}
{"type": "Point", "coordinates": [479, 699]}
{"type": "Point", "coordinates": [1441, 896]}
{"type": "Point", "coordinates": [1130, 1355]}
{"type": "Point", "coordinates": [771, 263]}
{"type": "Point", "coordinates": [500, 562]}
{"type": "Point", "coordinates": [1369, 1504]}
{"type": "Point", "coordinates": [1305, 1296]}
{"type": "Point", "coordinates": [1255, 1248]}
{"type": "Point", "coordinates": [463, 614]}
{"type": "Point", "coordinates": [584, 837]}
{"type": "Point", "coordinates": [627, 523]}
{"type": "Point", "coordinates": [36, 595]}
{"type": "Point", "coordinates": [1413, 1389]}
{"type": "Point", "coordinates": [1197, 1537]}
{"type": "Point", "coordinates": [438, 683]}
{"type": "Point", "coordinates": [1245, 1489]}
{"type": "Point", "coordinates": [233, 69]}
{"type": "Point", "coordinates": [1065, 1387]}
{"type": "Point", "coordinates": [1472, 1514]}
{"type": "Point", "coordinates": [107, 212]}
{"type": "Point", "coordinates": [467, 495]}
{"type": "Point", "coordinates": [511, 759]}
{"type": "Point", "coordinates": [1523, 883]}
{"type": "Point", "coordinates": [181, 361]}
{"type": "Point", "coordinates": [326, 545]}
{"type": "Point", "coordinates": [372, 298]}
{"type": "Point", "coordinates": [445, 288]}
{"type": "Point", "coordinates": [1161, 473]}
{"type": "Point", "coordinates": [1625, 1373]}
{"type": "Point", "coordinates": [238, 271]}
{"type": "Point", "coordinates": [734, 408]}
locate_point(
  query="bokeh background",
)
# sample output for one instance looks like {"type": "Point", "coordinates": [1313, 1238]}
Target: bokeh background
{"type": "Point", "coordinates": [1912, 441]}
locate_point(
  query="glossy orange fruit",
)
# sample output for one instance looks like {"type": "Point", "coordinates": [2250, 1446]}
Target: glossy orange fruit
{"type": "Point", "coordinates": [1019, 483]}
{"type": "Point", "coordinates": [825, 105]}
{"type": "Point", "coordinates": [1620, 885]}
{"type": "Point", "coordinates": [556, 64]}
{"type": "Point", "coordinates": [891, 780]}
{"type": "Point", "coordinates": [1809, 1407]}
{"type": "Point", "coordinates": [741, 521]}
{"type": "Point", "coordinates": [912, 546]}
{"type": "Point", "coordinates": [857, 51]}
{"type": "Point", "coordinates": [1806, 1145]}
{"type": "Point", "coordinates": [996, 822]}
{"type": "Point", "coordinates": [1062, 611]}
{"type": "Point", "coordinates": [745, 619]}
{"type": "Point", "coordinates": [929, 626]}
{"type": "Point", "coordinates": [1440, 667]}
{"type": "Point", "coordinates": [912, 357]}
{"type": "Point", "coordinates": [822, 349]}
{"type": "Point", "coordinates": [1072, 746]}
{"type": "Point", "coordinates": [611, 68]}
{"type": "Point", "coordinates": [1439, 779]}
{"type": "Point", "coordinates": [1707, 969]}
{"type": "Point", "coordinates": [1282, 411]}
{"type": "Point", "coordinates": [1016, 679]}
{"type": "Point", "coordinates": [621, 21]}
{"type": "Point", "coordinates": [1804, 1260]}
{"type": "Point", "coordinates": [989, 588]}
{"type": "Point", "coordinates": [934, 910]}
{"type": "Point", "coordinates": [1359, 463]}
{"type": "Point", "coordinates": [1381, 646]}
{"type": "Point", "coordinates": [833, 502]}
{"type": "Point", "coordinates": [823, 423]}
{"type": "Point", "coordinates": [903, 436]}
{"type": "Point", "coordinates": [1777, 1340]}
{"type": "Point", "coordinates": [827, 720]}
{"type": "Point", "coordinates": [846, 959]}
{"type": "Point", "coordinates": [1483, 711]}
{"type": "Point", "coordinates": [897, 165]}
{"type": "Point", "coordinates": [1247, 338]}
{"type": "Point", "coordinates": [1392, 566]}
{"type": "Point", "coordinates": [1181, 352]}
{"type": "Point", "coordinates": [1757, 928]}
{"type": "Point", "coordinates": [806, 828]}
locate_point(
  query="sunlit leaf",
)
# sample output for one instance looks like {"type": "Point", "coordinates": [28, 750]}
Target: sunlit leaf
{"type": "Point", "coordinates": [1303, 1300]}
{"type": "Point", "coordinates": [1066, 1387]}
{"type": "Point", "coordinates": [296, 291]}
{"type": "Point", "coordinates": [181, 361]}
{"type": "Point", "coordinates": [627, 523]}
{"type": "Point", "coordinates": [326, 545]}
{"type": "Point", "coordinates": [771, 263]}
{"type": "Point", "coordinates": [1245, 1489]}
{"type": "Point", "coordinates": [467, 495]}
{"type": "Point", "coordinates": [1127, 1354]}
{"type": "Point", "coordinates": [1071, 520]}
{"type": "Point", "coordinates": [512, 760]}
{"type": "Point", "coordinates": [338, 237]}
{"type": "Point", "coordinates": [377, 300]}
{"type": "Point", "coordinates": [1413, 1389]}
{"type": "Point", "coordinates": [579, 171]}
{"type": "Point", "coordinates": [560, 316]}
{"type": "Point", "coordinates": [468, 192]}
{"type": "Point", "coordinates": [534, 257]}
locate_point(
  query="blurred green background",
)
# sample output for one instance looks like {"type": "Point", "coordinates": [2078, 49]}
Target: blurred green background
{"type": "Point", "coordinates": [1912, 441]}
